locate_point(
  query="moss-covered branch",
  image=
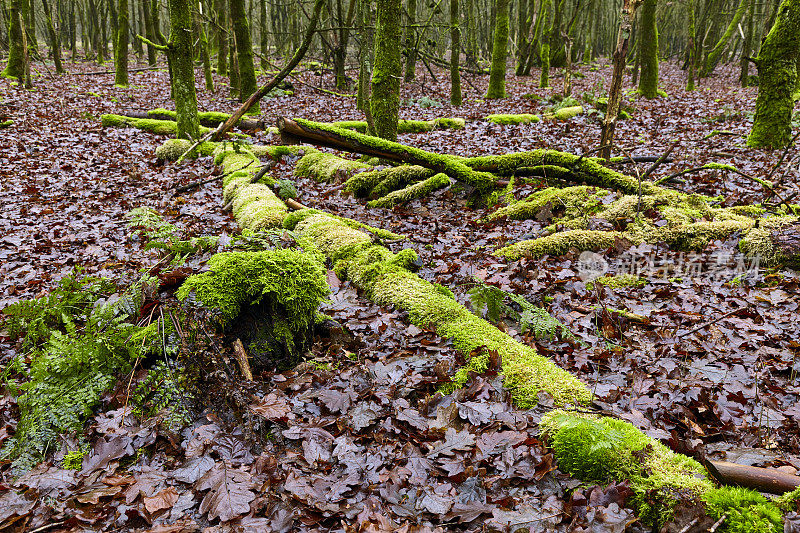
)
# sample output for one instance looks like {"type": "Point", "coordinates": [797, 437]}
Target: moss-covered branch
{"type": "Point", "coordinates": [412, 192]}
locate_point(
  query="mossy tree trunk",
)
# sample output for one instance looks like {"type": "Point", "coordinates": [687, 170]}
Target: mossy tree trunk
{"type": "Point", "coordinates": [17, 64]}
{"type": "Point", "coordinates": [714, 55]}
{"type": "Point", "coordinates": [455, 53]}
{"type": "Point", "coordinates": [648, 50]}
{"type": "Point", "coordinates": [203, 44]}
{"type": "Point", "coordinates": [182, 75]}
{"type": "Point", "coordinates": [149, 33]}
{"type": "Point", "coordinates": [244, 52]}
{"type": "Point", "coordinates": [497, 74]}
{"type": "Point", "coordinates": [524, 24]}
{"type": "Point", "coordinates": [365, 60]}
{"type": "Point", "coordinates": [387, 70]}
{"type": "Point", "coordinates": [55, 45]}
{"type": "Point", "coordinates": [544, 48]}
{"type": "Point", "coordinates": [411, 41]}
{"type": "Point", "coordinates": [777, 79]}
{"type": "Point", "coordinates": [121, 51]}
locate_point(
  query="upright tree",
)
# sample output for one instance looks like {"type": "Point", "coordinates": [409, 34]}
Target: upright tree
{"type": "Point", "coordinates": [181, 51]}
{"type": "Point", "coordinates": [55, 45]}
{"type": "Point", "coordinates": [714, 55]}
{"type": "Point", "coordinates": [455, 54]}
{"type": "Point", "coordinates": [497, 73]}
{"type": "Point", "coordinates": [544, 48]}
{"type": "Point", "coordinates": [121, 50]}
{"type": "Point", "coordinates": [410, 40]}
{"type": "Point", "coordinates": [244, 52]}
{"type": "Point", "coordinates": [648, 50]}
{"type": "Point", "coordinates": [777, 79]}
{"type": "Point", "coordinates": [17, 65]}
{"type": "Point", "coordinates": [386, 70]}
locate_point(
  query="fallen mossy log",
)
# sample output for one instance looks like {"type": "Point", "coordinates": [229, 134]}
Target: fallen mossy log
{"type": "Point", "coordinates": [172, 149]}
{"type": "Point", "coordinates": [408, 126]}
{"type": "Point", "coordinates": [6, 124]}
{"type": "Point", "coordinates": [159, 127]}
{"type": "Point", "coordinates": [412, 192]}
{"type": "Point", "coordinates": [384, 181]}
{"type": "Point", "coordinates": [206, 118]}
{"type": "Point", "coordinates": [324, 167]}
{"type": "Point", "coordinates": [603, 449]}
{"type": "Point", "coordinates": [299, 130]}
{"type": "Point", "coordinates": [524, 118]}
{"type": "Point", "coordinates": [685, 222]}
{"type": "Point", "coordinates": [385, 278]}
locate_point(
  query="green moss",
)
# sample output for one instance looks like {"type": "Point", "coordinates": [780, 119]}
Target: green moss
{"type": "Point", "coordinates": [381, 182]}
{"type": "Point", "coordinates": [412, 192]}
{"type": "Point", "coordinates": [279, 151]}
{"type": "Point", "coordinates": [568, 198]}
{"type": "Point", "coordinates": [332, 237]}
{"type": "Point", "coordinates": [559, 244]}
{"type": "Point", "coordinates": [446, 123]}
{"type": "Point", "coordinates": [324, 167]}
{"type": "Point", "coordinates": [256, 207]}
{"type": "Point", "coordinates": [6, 124]}
{"type": "Point", "coordinates": [158, 127]}
{"type": "Point", "coordinates": [172, 149]}
{"type": "Point", "coordinates": [238, 279]}
{"type": "Point", "coordinates": [789, 502]}
{"type": "Point", "coordinates": [566, 113]}
{"type": "Point", "coordinates": [524, 118]}
{"type": "Point", "coordinates": [73, 460]}
{"type": "Point", "coordinates": [599, 450]}
{"type": "Point", "coordinates": [408, 126]}
{"type": "Point", "coordinates": [746, 510]}
{"type": "Point", "coordinates": [619, 281]}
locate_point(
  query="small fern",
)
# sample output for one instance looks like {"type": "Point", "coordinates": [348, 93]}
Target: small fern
{"type": "Point", "coordinates": [73, 358]}
{"type": "Point", "coordinates": [490, 300]}
{"type": "Point", "coordinates": [162, 393]}
{"type": "Point", "coordinates": [161, 235]}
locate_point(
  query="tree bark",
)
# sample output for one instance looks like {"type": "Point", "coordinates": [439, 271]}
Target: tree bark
{"type": "Point", "coordinates": [455, 54]}
{"type": "Point", "coordinates": [497, 74]}
{"type": "Point", "coordinates": [244, 53]}
{"type": "Point", "coordinates": [17, 65]}
{"type": "Point", "coordinates": [648, 50]}
{"type": "Point", "coordinates": [777, 80]}
{"type": "Point", "coordinates": [386, 70]}
{"type": "Point", "coordinates": [121, 50]}
{"type": "Point", "coordinates": [181, 52]}
{"type": "Point", "coordinates": [55, 45]}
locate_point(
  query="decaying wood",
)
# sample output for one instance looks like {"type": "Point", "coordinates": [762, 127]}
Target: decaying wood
{"type": "Point", "coordinates": [241, 359]}
{"type": "Point", "coordinates": [761, 479]}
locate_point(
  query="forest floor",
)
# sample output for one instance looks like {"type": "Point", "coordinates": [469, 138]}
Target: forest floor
{"type": "Point", "coordinates": [359, 442]}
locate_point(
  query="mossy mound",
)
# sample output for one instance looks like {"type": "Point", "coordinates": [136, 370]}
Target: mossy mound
{"type": "Point", "coordinates": [325, 167]}
{"type": "Point", "coordinates": [172, 149]}
{"type": "Point", "coordinates": [524, 118]}
{"type": "Point", "coordinates": [6, 124]}
{"type": "Point", "coordinates": [269, 299]}
{"type": "Point", "coordinates": [619, 281]}
{"type": "Point", "coordinates": [566, 113]}
{"type": "Point", "coordinates": [745, 510]}
{"type": "Point", "coordinates": [603, 449]}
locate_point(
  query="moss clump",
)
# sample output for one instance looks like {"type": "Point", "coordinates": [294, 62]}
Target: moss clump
{"type": "Point", "coordinates": [6, 124]}
{"type": "Point", "coordinates": [559, 244]}
{"type": "Point", "coordinates": [256, 207]}
{"type": "Point", "coordinates": [381, 182]}
{"type": "Point", "coordinates": [524, 118]}
{"type": "Point", "coordinates": [619, 281]}
{"type": "Point", "coordinates": [566, 113]}
{"type": "Point", "coordinates": [599, 450]}
{"type": "Point", "coordinates": [172, 149]}
{"type": "Point", "coordinates": [324, 167]}
{"type": "Point", "coordinates": [746, 510]}
{"type": "Point", "coordinates": [73, 460]}
{"type": "Point", "coordinates": [580, 198]}
{"type": "Point", "coordinates": [239, 279]}
{"type": "Point", "coordinates": [412, 192]}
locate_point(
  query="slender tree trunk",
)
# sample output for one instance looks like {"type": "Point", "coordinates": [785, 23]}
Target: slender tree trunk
{"type": "Point", "coordinates": [648, 50]}
{"type": "Point", "coordinates": [747, 47]}
{"type": "Point", "coordinates": [692, 47]}
{"type": "Point", "coordinates": [233, 62]}
{"type": "Point", "coordinates": [121, 58]}
{"type": "Point", "coordinates": [497, 73]}
{"type": "Point", "coordinates": [715, 54]}
{"type": "Point", "coordinates": [777, 79]}
{"type": "Point", "coordinates": [149, 33]}
{"type": "Point", "coordinates": [264, 42]}
{"type": "Point", "coordinates": [410, 41]}
{"type": "Point", "coordinates": [221, 37]}
{"type": "Point", "coordinates": [55, 44]}
{"type": "Point", "coordinates": [244, 52]}
{"type": "Point", "coordinates": [365, 59]}
{"type": "Point", "coordinates": [203, 44]}
{"type": "Point", "coordinates": [455, 54]}
{"type": "Point", "coordinates": [180, 48]}
{"type": "Point", "coordinates": [17, 64]}
{"type": "Point", "coordinates": [387, 70]}
{"type": "Point", "coordinates": [615, 90]}
{"type": "Point", "coordinates": [544, 50]}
